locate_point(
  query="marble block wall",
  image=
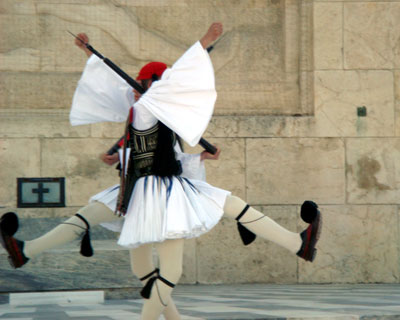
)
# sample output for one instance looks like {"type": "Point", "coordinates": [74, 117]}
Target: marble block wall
{"type": "Point", "coordinates": [293, 77]}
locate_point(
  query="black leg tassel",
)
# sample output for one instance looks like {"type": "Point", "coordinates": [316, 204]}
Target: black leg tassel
{"type": "Point", "coordinates": [146, 291]}
{"type": "Point", "coordinates": [245, 234]}
{"type": "Point", "coordinates": [86, 246]}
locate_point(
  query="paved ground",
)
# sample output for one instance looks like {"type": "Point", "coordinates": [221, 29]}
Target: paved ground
{"type": "Point", "coordinates": [342, 302]}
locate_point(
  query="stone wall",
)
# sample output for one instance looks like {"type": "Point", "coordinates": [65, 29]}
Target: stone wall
{"type": "Point", "coordinates": [292, 76]}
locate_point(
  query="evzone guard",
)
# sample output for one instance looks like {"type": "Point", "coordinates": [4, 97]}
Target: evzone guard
{"type": "Point", "coordinates": [163, 197]}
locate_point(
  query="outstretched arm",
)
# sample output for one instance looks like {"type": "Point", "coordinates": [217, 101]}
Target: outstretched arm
{"type": "Point", "coordinates": [80, 45]}
{"type": "Point", "coordinates": [213, 33]}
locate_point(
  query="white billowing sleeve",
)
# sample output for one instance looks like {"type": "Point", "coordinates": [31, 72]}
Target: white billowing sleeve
{"type": "Point", "coordinates": [101, 95]}
{"type": "Point", "coordinates": [192, 166]}
{"type": "Point", "coordinates": [184, 98]}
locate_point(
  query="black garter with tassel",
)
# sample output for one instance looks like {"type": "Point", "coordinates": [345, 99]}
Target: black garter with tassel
{"type": "Point", "coordinates": [86, 246]}
{"type": "Point", "coordinates": [146, 291]}
{"type": "Point", "coordinates": [245, 234]}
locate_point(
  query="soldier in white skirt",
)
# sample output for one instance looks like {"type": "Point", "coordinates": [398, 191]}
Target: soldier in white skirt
{"type": "Point", "coordinates": [163, 197]}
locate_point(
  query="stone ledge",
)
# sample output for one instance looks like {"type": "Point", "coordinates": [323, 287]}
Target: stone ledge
{"type": "Point", "coordinates": [40, 298]}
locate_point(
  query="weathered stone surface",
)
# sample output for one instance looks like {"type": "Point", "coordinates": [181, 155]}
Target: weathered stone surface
{"type": "Point", "coordinates": [189, 273]}
{"type": "Point", "coordinates": [358, 244]}
{"type": "Point", "coordinates": [78, 160]}
{"type": "Point", "coordinates": [19, 46]}
{"type": "Point", "coordinates": [107, 130]}
{"type": "Point", "coordinates": [99, 22]}
{"type": "Point", "coordinates": [397, 101]}
{"type": "Point", "coordinates": [370, 40]}
{"type": "Point", "coordinates": [328, 35]}
{"type": "Point", "coordinates": [152, 3]}
{"type": "Point", "coordinates": [25, 213]}
{"type": "Point", "coordinates": [63, 268]}
{"type": "Point", "coordinates": [17, 7]}
{"type": "Point", "coordinates": [222, 257]}
{"type": "Point", "coordinates": [66, 269]}
{"type": "Point", "coordinates": [339, 94]}
{"type": "Point", "coordinates": [19, 158]}
{"type": "Point", "coordinates": [32, 228]}
{"type": "Point", "coordinates": [365, 1]}
{"type": "Point", "coordinates": [293, 170]}
{"type": "Point", "coordinates": [153, 37]}
{"type": "Point", "coordinates": [161, 40]}
{"type": "Point", "coordinates": [24, 59]}
{"type": "Point", "coordinates": [262, 126]}
{"type": "Point", "coordinates": [229, 171]}
{"type": "Point", "coordinates": [39, 123]}
{"type": "Point", "coordinates": [28, 90]}
{"type": "Point", "coordinates": [243, 4]}
{"type": "Point", "coordinates": [372, 168]}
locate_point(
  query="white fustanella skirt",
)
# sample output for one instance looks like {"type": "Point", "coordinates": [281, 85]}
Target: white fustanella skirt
{"type": "Point", "coordinates": [165, 208]}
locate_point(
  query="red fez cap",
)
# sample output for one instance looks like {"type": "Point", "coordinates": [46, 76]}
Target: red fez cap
{"type": "Point", "coordinates": [151, 68]}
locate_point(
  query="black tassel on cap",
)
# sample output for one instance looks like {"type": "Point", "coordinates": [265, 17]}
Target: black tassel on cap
{"type": "Point", "coordinates": [245, 234]}
{"type": "Point", "coordinates": [9, 223]}
{"type": "Point", "coordinates": [86, 246]}
{"type": "Point", "coordinates": [308, 211]}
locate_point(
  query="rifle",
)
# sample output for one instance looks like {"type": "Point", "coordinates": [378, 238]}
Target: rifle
{"type": "Point", "coordinates": [134, 84]}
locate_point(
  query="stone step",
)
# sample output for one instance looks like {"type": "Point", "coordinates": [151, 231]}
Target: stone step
{"type": "Point", "coordinates": [63, 268]}
{"type": "Point", "coordinates": [62, 297]}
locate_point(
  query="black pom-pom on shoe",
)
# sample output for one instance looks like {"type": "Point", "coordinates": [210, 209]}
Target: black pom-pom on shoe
{"type": "Point", "coordinates": [9, 223]}
{"type": "Point", "coordinates": [309, 211]}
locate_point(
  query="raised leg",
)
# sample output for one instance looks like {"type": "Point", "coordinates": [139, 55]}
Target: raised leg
{"type": "Point", "coordinates": [94, 213]}
{"type": "Point", "coordinates": [252, 222]}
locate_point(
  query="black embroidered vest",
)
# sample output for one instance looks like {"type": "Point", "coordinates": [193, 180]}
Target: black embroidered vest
{"type": "Point", "coordinates": [152, 153]}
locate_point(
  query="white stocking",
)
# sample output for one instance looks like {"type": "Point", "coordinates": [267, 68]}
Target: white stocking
{"type": "Point", "coordinates": [170, 254]}
{"type": "Point", "coordinates": [141, 265]}
{"type": "Point", "coordinates": [262, 225]}
{"type": "Point", "coordinates": [94, 213]}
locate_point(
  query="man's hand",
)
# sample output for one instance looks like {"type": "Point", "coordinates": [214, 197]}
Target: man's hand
{"type": "Point", "coordinates": [109, 159]}
{"type": "Point", "coordinates": [213, 33]}
{"type": "Point", "coordinates": [136, 94]}
{"type": "Point", "coordinates": [80, 45]}
{"type": "Point", "coordinates": [209, 156]}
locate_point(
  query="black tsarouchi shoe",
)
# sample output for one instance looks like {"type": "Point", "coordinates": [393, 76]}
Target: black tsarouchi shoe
{"type": "Point", "coordinates": [310, 236]}
{"type": "Point", "coordinates": [14, 247]}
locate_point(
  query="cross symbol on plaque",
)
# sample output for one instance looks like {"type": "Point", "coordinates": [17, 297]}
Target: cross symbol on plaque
{"type": "Point", "coordinates": [40, 190]}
